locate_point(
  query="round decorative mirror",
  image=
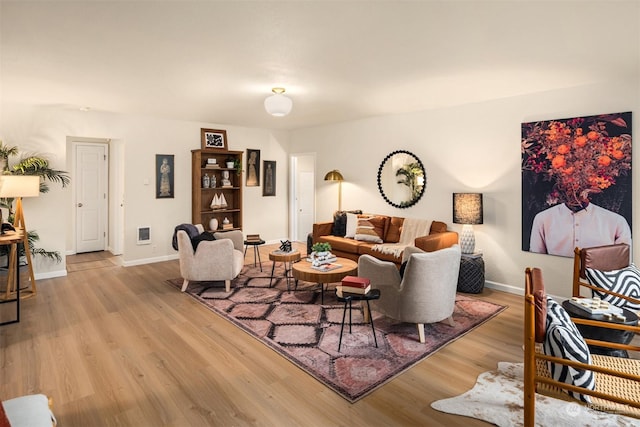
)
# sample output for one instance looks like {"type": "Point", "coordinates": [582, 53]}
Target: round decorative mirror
{"type": "Point", "coordinates": [401, 179]}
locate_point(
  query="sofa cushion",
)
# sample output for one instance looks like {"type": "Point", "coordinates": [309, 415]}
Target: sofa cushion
{"type": "Point", "coordinates": [394, 230]}
{"type": "Point", "coordinates": [366, 232]}
{"type": "Point", "coordinates": [340, 222]}
{"type": "Point", "coordinates": [380, 224]}
{"type": "Point", "coordinates": [341, 244]}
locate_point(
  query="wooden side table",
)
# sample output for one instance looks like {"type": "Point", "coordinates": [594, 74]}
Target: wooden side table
{"type": "Point", "coordinates": [471, 277]}
{"type": "Point", "coordinates": [287, 258]}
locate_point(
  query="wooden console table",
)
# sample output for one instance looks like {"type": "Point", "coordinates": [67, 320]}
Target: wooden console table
{"type": "Point", "coordinates": [12, 238]}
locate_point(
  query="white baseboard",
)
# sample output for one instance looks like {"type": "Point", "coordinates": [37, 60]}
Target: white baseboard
{"type": "Point", "coordinates": [50, 274]}
{"type": "Point", "coordinates": [504, 288]}
{"type": "Point", "coordinates": [149, 260]}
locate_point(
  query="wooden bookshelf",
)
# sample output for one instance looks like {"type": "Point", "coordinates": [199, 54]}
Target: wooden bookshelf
{"type": "Point", "coordinates": [201, 212]}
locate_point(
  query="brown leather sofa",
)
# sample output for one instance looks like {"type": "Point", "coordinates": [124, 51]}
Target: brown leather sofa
{"type": "Point", "coordinates": [389, 228]}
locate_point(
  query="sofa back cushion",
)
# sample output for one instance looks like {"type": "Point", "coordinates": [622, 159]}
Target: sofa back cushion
{"type": "Point", "coordinates": [340, 222]}
{"type": "Point", "coordinates": [380, 224]}
{"type": "Point", "coordinates": [393, 231]}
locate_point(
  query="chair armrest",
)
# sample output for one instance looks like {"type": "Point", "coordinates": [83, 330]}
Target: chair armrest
{"type": "Point", "coordinates": [235, 236]}
{"type": "Point", "coordinates": [200, 228]}
{"type": "Point", "coordinates": [436, 241]}
{"type": "Point", "coordinates": [321, 229]}
{"type": "Point", "coordinates": [381, 273]}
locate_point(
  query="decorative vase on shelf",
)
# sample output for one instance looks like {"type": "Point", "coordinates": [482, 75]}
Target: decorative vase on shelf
{"type": "Point", "coordinates": [230, 165]}
{"type": "Point", "coordinates": [225, 220]}
{"type": "Point", "coordinates": [213, 181]}
{"type": "Point", "coordinates": [205, 181]}
{"type": "Point", "coordinates": [213, 224]}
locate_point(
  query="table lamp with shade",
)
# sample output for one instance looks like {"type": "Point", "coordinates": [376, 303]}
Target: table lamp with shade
{"type": "Point", "coordinates": [467, 210]}
{"type": "Point", "coordinates": [17, 187]}
{"type": "Point", "coordinates": [335, 175]}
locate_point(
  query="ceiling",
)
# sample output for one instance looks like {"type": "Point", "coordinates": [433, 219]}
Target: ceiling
{"type": "Point", "coordinates": [216, 61]}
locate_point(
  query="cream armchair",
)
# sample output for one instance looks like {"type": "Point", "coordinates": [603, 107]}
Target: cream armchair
{"type": "Point", "coordinates": [220, 259]}
{"type": "Point", "coordinates": [425, 294]}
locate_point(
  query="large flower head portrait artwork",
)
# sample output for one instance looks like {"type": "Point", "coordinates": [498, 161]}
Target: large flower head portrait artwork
{"type": "Point", "coordinates": [576, 183]}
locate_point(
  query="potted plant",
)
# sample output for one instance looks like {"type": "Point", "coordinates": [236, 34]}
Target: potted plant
{"type": "Point", "coordinates": [321, 248]}
{"type": "Point", "coordinates": [230, 162]}
{"type": "Point", "coordinates": [30, 164]}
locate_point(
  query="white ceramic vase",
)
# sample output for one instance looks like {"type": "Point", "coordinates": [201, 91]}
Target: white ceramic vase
{"type": "Point", "coordinates": [213, 224]}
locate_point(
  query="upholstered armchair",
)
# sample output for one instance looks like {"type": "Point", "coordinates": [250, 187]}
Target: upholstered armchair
{"type": "Point", "coordinates": [220, 259]}
{"type": "Point", "coordinates": [426, 292]}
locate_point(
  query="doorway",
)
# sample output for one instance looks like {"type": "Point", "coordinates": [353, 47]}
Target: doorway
{"type": "Point", "coordinates": [304, 195]}
{"type": "Point", "coordinates": [91, 190]}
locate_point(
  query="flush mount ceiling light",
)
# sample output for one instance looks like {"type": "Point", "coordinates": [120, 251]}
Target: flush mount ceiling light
{"type": "Point", "coordinates": [277, 104]}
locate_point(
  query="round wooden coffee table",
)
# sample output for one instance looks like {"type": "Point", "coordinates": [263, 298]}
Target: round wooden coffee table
{"type": "Point", "coordinates": [303, 271]}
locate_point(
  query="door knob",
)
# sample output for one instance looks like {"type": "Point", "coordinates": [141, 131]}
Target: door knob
{"type": "Point", "coordinates": [79, 205]}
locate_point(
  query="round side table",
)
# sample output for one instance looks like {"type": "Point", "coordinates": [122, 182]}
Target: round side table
{"type": "Point", "coordinates": [256, 250]}
{"type": "Point", "coordinates": [287, 258]}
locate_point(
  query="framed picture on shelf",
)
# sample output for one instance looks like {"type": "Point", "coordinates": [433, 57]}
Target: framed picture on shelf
{"type": "Point", "coordinates": [164, 176]}
{"type": "Point", "coordinates": [269, 178]}
{"type": "Point", "coordinates": [253, 168]}
{"type": "Point", "coordinates": [213, 139]}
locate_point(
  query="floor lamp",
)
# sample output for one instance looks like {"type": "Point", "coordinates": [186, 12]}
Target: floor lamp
{"type": "Point", "coordinates": [335, 175]}
{"type": "Point", "coordinates": [17, 187]}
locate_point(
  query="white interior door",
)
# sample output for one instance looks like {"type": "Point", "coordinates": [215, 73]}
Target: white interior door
{"type": "Point", "coordinates": [304, 196]}
{"type": "Point", "coordinates": [91, 197]}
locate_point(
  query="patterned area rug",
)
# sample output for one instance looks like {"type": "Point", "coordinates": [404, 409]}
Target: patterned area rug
{"type": "Point", "coordinates": [295, 325]}
{"type": "Point", "coordinates": [497, 398]}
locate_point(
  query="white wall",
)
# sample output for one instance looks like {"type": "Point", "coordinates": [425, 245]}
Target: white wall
{"type": "Point", "coordinates": [469, 148]}
{"type": "Point", "coordinates": [45, 130]}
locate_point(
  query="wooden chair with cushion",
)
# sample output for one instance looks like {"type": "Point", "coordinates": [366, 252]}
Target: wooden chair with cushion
{"type": "Point", "coordinates": [607, 272]}
{"type": "Point", "coordinates": [615, 381]}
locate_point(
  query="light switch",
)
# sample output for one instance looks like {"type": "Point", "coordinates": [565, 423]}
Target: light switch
{"type": "Point", "coordinates": [146, 181]}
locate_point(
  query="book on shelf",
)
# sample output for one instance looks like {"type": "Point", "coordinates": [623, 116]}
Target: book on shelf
{"type": "Point", "coordinates": [326, 267]}
{"type": "Point", "coordinates": [212, 166]}
{"type": "Point", "coordinates": [351, 290]}
{"type": "Point", "coordinates": [227, 226]}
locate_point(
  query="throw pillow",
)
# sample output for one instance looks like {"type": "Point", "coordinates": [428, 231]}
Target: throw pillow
{"type": "Point", "coordinates": [625, 281]}
{"type": "Point", "coordinates": [340, 222]}
{"type": "Point", "coordinates": [565, 341]}
{"type": "Point", "coordinates": [352, 224]}
{"type": "Point", "coordinates": [365, 232]}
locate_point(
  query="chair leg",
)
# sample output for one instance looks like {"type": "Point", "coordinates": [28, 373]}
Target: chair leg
{"type": "Point", "coordinates": [227, 285]}
{"type": "Point", "coordinates": [421, 332]}
{"type": "Point", "coordinates": [185, 283]}
{"type": "Point", "coordinates": [450, 321]}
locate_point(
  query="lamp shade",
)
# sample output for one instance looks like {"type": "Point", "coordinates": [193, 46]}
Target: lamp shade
{"type": "Point", "coordinates": [19, 186]}
{"type": "Point", "coordinates": [467, 208]}
{"type": "Point", "coordinates": [333, 175]}
{"type": "Point", "coordinates": [278, 104]}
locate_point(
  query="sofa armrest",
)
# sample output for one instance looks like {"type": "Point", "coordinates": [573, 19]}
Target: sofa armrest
{"type": "Point", "coordinates": [437, 241]}
{"type": "Point", "coordinates": [322, 229]}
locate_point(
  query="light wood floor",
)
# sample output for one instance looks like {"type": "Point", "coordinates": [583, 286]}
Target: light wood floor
{"type": "Point", "coordinates": [117, 346]}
